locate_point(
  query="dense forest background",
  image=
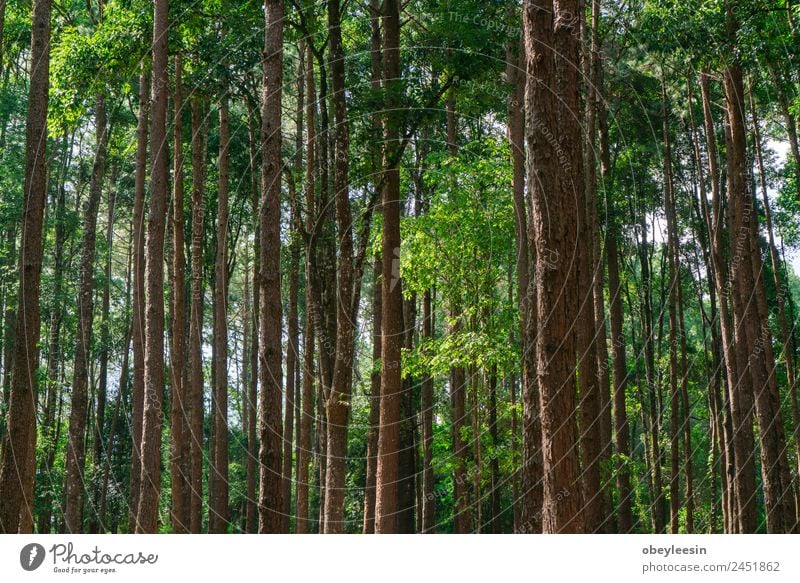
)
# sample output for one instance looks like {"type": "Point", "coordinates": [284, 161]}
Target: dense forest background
{"type": "Point", "coordinates": [378, 266]}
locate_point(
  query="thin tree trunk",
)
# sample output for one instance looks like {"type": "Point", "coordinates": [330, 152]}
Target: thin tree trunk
{"type": "Point", "coordinates": [338, 405]}
{"type": "Point", "coordinates": [621, 428]}
{"type": "Point", "coordinates": [387, 472]}
{"type": "Point", "coordinates": [252, 389]}
{"type": "Point", "coordinates": [426, 404]}
{"type": "Point", "coordinates": [54, 344]}
{"type": "Point", "coordinates": [530, 519]}
{"type": "Point", "coordinates": [586, 333]}
{"type": "Point", "coordinates": [138, 296]}
{"type": "Point", "coordinates": [374, 402]}
{"type": "Point", "coordinates": [218, 511]}
{"type": "Point", "coordinates": [194, 392]}
{"type": "Point", "coordinates": [147, 516]}
{"type": "Point", "coordinates": [19, 443]}
{"type": "Point", "coordinates": [376, 75]}
{"type": "Point", "coordinates": [76, 446]}
{"type": "Point", "coordinates": [740, 468]}
{"type": "Point", "coordinates": [292, 356]}
{"type": "Point", "coordinates": [270, 505]}
{"type": "Point", "coordinates": [180, 446]}
{"type": "Point", "coordinates": [674, 283]}
{"type": "Point", "coordinates": [302, 518]}
{"type": "Point", "coordinates": [781, 288]}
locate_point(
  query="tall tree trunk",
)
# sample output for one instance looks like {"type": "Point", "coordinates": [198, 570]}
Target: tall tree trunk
{"type": "Point", "coordinates": [292, 356]}
{"type": "Point", "coordinates": [586, 334]}
{"type": "Point", "coordinates": [593, 106]}
{"type": "Point", "coordinates": [674, 283]}
{"type": "Point", "coordinates": [302, 518]}
{"type": "Point", "coordinates": [218, 522]}
{"type": "Point", "coordinates": [147, 516]}
{"type": "Point", "coordinates": [406, 486]}
{"type": "Point", "coordinates": [270, 505]}
{"type": "Point", "coordinates": [338, 405]}
{"type": "Point", "coordinates": [621, 428]}
{"type": "Point", "coordinates": [180, 446]}
{"type": "Point", "coordinates": [19, 442]}
{"type": "Point", "coordinates": [252, 389]}
{"type": "Point", "coordinates": [138, 321]}
{"type": "Point", "coordinates": [387, 472]}
{"type": "Point", "coordinates": [194, 391]}
{"type": "Point", "coordinates": [105, 345]}
{"type": "Point", "coordinates": [376, 76]}
{"type": "Point", "coordinates": [531, 499]}
{"type": "Point", "coordinates": [741, 467]}
{"type": "Point", "coordinates": [781, 287]}
{"type": "Point", "coordinates": [76, 447]}
{"type": "Point", "coordinates": [426, 404]}
{"type": "Point", "coordinates": [374, 402]}
{"type": "Point", "coordinates": [54, 343]}
{"type": "Point", "coordinates": [557, 194]}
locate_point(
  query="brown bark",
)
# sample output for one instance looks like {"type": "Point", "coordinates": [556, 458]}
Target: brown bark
{"type": "Point", "coordinates": [338, 404]}
{"type": "Point", "coordinates": [376, 75]}
{"type": "Point", "coordinates": [76, 446]}
{"type": "Point", "coordinates": [530, 520]}
{"type": "Point", "coordinates": [302, 522]}
{"type": "Point", "coordinates": [194, 391]}
{"type": "Point", "coordinates": [462, 521]}
{"type": "Point", "coordinates": [374, 403]}
{"type": "Point", "coordinates": [674, 283]}
{"type": "Point", "coordinates": [593, 121]}
{"type": "Point", "coordinates": [180, 448]}
{"type": "Point", "coordinates": [54, 344]}
{"type": "Point", "coordinates": [621, 428]}
{"type": "Point", "coordinates": [100, 450]}
{"type": "Point", "coordinates": [740, 468]}
{"type": "Point", "coordinates": [406, 486]}
{"type": "Point", "coordinates": [147, 516]}
{"type": "Point", "coordinates": [426, 404]}
{"type": "Point", "coordinates": [140, 177]}
{"type": "Point", "coordinates": [778, 489]}
{"type": "Point", "coordinates": [270, 375]}
{"type": "Point", "coordinates": [218, 511]}
{"type": "Point", "coordinates": [292, 356]}
{"type": "Point", "coordinates": [586, 333]}
{"type": "Point", "coordinates": [19, 443]}
{"type": "Point", "coordinates": [392, 301]}
{"type": "Point", "coordinates": [252, 388]}
{"type": "Point", "coordinates": [781, 287]}
{"type": "Point", "coordinates": [105, 333]}
{"type": "Point", "coordinates": [658, 510]}
{"type": "Point", "coordinates": [557, 194]}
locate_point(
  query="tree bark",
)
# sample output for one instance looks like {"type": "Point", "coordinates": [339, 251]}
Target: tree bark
{"type": "Point", "coordinates": [252, 389]}
{"type": "Point", "coordinates": [338, 404]}
{"type": "Point", "coordinates": [147, 516]}
{"type": "Point", "coordinates": [387, 472]}
{"type": "Point", "coordinates": [557, 192]}
{"type": "Point", "coordinates": [194, 392]}
{"type": "Point", "coordinates": [426, 404]}
{"type": "Point", "coordinates": [270, 375]}
{"type": "Point", "coordinates": [19, 443]}
{"type": "Point", "coordinates": [180, 446]}
{"type": "Point", "coordinates": [76, 447]}
{"type": "Point", "coordinates": [218, 522]}
{"type": "Point", "coordinates": [138, 321]}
